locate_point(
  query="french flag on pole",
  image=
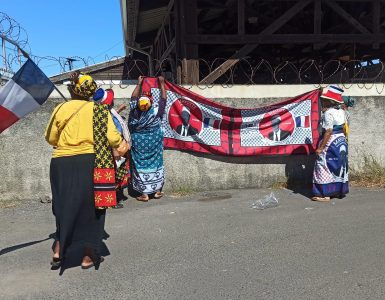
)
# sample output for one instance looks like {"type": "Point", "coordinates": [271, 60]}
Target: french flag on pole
{"type": "Point", "coordinates": [302, 121]}
{"type": "Point", "coordinates": [28, 89]}
{"type": "Point", "coordinates": [208, 122]}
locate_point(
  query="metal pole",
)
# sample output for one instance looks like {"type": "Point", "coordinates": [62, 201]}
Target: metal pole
{"type": "Point", "coordinates": [4, 54]}
{"type": "Point", "coordinates": [15, 44]}
{"type": "Point", "coordinates": [60, 93]}
{"type": "Point", "coordinates": [18, 57]}
{"type": "Point", "coordinates": [25, 54]}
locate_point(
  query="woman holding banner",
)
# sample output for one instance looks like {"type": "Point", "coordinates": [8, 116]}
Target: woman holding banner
{"type": "Point", "coordinates": [145, 122]}
{"type": "Point", "coordinates": [330, 177]}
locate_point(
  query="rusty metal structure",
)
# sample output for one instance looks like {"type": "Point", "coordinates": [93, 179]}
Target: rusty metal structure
{"type": "Point", "coordinates": [180, 34]}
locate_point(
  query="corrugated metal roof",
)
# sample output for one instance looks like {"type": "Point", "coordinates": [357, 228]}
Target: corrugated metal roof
{"type": "Point", "coordinates": [141, 19]}
{"type": "Point", "coordinates": [150, 20]}
{"type": "Point", "coordinates": [89, 69]}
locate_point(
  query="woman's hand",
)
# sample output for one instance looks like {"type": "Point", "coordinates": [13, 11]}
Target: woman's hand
{"type": "Point", "coordinates": [121, 108]}
{"type": "Point", "coordinates": [74, 77]}
{"type": "Point", "coordinates": [116, 155]}
{"type": "Point", "coordinates": [161, 80]}
{"type": "Point", "coordinates": [318, 151]}
{"type": "Point", "coordinates": [140, 79]}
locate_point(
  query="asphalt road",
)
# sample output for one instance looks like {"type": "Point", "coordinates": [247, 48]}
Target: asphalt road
{"type": "Point", "coordinates": [209, 246]}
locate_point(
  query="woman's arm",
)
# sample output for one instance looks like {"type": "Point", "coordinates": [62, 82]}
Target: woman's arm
{"type": "Point", "coordinates": [121, 108]}
{"type": "Point", "coordinates": [325, 140]}
{"type": "Point", "coordinates": [328, 123]}
{"type": "Point", "coordinates": [136, 92]}
{"type": "Point", "coordinates": [52, 131]}
{"type": "Point", "coordinates": [163, 93]}
{"type": "Point", "coordinates": [163, 97]}
{"type": "Point", "coordinates": [134, 113]}
{"type": "Point", "coordinates": [113, 136]}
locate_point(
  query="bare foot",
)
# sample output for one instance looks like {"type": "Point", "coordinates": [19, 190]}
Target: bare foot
{"type": "Point", "coordinates": [321, 199]}
{"type": "Point", "coordinates": [56, 250]}
{"type": "Point", "coordinates": [143, 198]}
{"type": "Point", "coordinates": [87, 261]}
{"type": "Point", "coordinates": [158, 195]}
{"type": "Point", "coordinates": [56, 261]}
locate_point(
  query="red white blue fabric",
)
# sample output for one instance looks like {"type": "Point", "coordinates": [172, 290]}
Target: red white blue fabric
{"type": "Point", "coordinates": [28, 89]}
{"type": "Point", "coordinates": [194, 123]}
{"type": "Point", "coordinates": [331, 169]}
{"type": "Point", "coordinates": [333, 93]}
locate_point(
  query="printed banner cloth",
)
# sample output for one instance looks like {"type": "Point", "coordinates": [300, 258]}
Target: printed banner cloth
{"type": "Point", "coordinates": [194, 123]}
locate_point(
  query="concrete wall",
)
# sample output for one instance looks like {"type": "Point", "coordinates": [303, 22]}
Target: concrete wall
{"type": "Point", "coordinates": [25, 156]}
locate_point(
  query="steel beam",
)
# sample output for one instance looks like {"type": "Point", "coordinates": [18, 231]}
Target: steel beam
{"type": "Point", "coordinates": [257, 39]}
{"type": "Point", "coordinates": [288, 15]}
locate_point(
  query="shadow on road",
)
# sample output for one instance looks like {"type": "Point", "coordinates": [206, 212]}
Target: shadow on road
{"type": "Point", "coordinates": [23, 245]}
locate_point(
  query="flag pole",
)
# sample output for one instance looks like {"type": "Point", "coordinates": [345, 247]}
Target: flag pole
{"type": "Point", "coordinates": [60, 93]}
{"type": "Point", "coordinates": [28, 57]}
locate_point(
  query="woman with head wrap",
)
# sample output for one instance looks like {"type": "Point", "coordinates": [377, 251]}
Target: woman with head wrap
{"type": "Point", "coordinates": [122, 166]}
{"type": "Point", "coordinates": [145, 120]}
{"type": "Point", "coordinates": [82, 183]}
{"type": "Point", "coordinates": [330, 176]}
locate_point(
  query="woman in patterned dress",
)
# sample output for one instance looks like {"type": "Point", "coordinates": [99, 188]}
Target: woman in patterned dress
{"type": "Point", "coordinates": [330, 176]}
{"type": "Point", "coordinates": [147, 173]}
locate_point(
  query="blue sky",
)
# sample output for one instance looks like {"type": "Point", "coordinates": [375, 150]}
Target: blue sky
{"type": "Point", "coordinates": [69, 28]}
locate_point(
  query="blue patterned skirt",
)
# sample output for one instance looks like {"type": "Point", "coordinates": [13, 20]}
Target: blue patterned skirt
{"type": "Point", "coordinates": [147, 160]}
{"type": "Point", "coordinates": [331, 176]}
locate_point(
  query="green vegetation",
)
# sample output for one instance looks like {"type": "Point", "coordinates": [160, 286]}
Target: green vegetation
{"type": "Point", "coordinates": [9, 204]}
{"type": "Point", "coordinates": [372, 173]}
{"type": "Point", "coordinates": [181, 192]}
{"type": "Point", "coordinates": [280, 184]}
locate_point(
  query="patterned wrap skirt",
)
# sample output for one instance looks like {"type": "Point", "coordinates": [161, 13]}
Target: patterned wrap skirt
{"type": "Point", "coordinates": [331, 175]}
{"type": "Point", "coordinates": [147, 171]}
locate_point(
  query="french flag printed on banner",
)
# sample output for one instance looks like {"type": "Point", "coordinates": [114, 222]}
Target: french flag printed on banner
{"type": "Point", "coordinates": [208, 122]}
{"type": "Point", "coordinates": [28, 89]}
{"type": "Point", "coordinates": [302, 121]}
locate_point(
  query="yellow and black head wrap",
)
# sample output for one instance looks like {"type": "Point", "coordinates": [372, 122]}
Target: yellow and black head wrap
{"type": "Point", "coordinates": [83, 85]}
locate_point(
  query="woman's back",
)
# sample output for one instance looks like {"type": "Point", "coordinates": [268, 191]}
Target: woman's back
{"type": "Point", "coordinates": [77, 136]}
{"type": "Point", "coordinates": [333, 117]}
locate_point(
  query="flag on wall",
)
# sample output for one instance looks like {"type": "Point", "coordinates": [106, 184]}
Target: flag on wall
{"type": "Point", "coordinates": [28, 89]}
{"type": "Point", "coordinates": [302, 121]}
{"type": "Point", "coordinates": [211, 123]}
{"type": "Point", "coordinates": [194, 123]}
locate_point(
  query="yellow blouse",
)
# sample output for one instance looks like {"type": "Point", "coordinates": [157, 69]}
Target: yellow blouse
{"type": "Point", "coordinates": [77, 136]}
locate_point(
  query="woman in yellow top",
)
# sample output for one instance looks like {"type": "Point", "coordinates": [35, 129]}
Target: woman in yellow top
{"type": "Point", "coordinates": [71, 131]}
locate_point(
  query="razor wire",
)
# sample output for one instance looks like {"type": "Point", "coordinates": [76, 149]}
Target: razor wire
{"type": "Point", "coordinates": [14, 41]}
{"type": "Point", "coordinates": [247, 71]}
{"type": "Point", "coordinates": [14, 31]}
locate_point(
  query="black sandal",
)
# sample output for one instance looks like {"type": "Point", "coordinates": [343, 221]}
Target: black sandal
{"type": "Point", "coordinates": [56, 262]}
{"type": "Point", "coordinates": [95, 263]}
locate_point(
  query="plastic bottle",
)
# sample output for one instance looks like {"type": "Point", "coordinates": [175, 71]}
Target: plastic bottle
{"type": "Point", "coordinates": [266, 202]}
